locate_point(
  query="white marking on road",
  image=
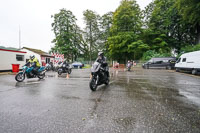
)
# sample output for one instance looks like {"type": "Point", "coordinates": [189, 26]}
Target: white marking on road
{"type": "Point", "coordinates": [32, 83]}
{"type": "Point", "coordinates": [111, 82]}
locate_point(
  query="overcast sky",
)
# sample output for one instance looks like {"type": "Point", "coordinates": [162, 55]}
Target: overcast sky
{"type": "Point", "coordinates": [34, 19]}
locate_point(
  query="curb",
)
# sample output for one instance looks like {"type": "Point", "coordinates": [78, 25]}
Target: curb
{"type": "Point", "coordinates": [7, 73]}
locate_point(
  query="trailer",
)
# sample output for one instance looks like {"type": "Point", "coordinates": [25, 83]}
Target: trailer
{"type": "Point", "coordinates": [189, 62]}
{"type": "Point", "coordinates": [11, 57]}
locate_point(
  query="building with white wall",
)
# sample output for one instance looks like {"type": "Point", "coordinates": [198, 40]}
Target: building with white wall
{"type": "Point", "coordinates": [9, 57]}
{"type": "Point", "coordinates": [42, 56]}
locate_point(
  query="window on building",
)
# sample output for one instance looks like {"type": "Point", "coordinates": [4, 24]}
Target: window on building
{"type": "Point", "coordinates": [20, 57]}
{"type": "Point", "coordinates": [47, 60]}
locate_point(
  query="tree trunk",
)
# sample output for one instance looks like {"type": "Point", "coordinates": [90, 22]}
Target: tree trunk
{"type": "Point", "coordinates": [198, 34]}
{"type": "Point", "coordinates": [72, 58]}
{"type": "Point", "coordinates": [91, 43]}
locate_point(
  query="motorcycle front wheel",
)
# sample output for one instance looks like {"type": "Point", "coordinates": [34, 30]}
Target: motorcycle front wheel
{"type": "Point", "coordinates": [69, 71]}
{"type": "Point", "coordinates": [41, 76]}
{"type": "Point", "coordinates": [93, 85]}
{"type": "Point", "coordinates": [20, 77]}
{"type": "Point", "coordinates": [59, 72]}
{"type": "Point", "coordinates": [107, 81]}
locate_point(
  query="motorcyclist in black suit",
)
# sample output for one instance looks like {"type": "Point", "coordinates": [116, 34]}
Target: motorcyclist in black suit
{"type": "Point", "coordinates": [102, 60]}
{"type": "Point", "coordinates": [66, 64]}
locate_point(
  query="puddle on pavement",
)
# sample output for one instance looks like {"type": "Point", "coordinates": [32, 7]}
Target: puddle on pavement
{"type": "Point", "coordinates": [95, 100]}
{"type": "Point", "coordinates": [69, 97]}
{"type": "Point", "coordinates": [139, 80]}
{"type": "Point", "coordinates": [50, 76]}
{"type": "Point", "coordinates": [125, 122]}
{"type": "Point", "coordinates": [27, 83]}
{"type": "Point", "coordinates": [72, 77]}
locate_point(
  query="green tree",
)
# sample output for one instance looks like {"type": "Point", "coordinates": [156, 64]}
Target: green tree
{"type": "Point", "coordinates": [92, 31]}
{"type": "Point", "coordinates": [164, 23]}
{"type": "Point", "coordinates": [80, 46]}
{"type": "Point", "coordinates": [147, 14]}
{"type": "Point", "coordinates": [190, 10]}
{"type": "Point", "coordinates": [125, 30]}
{"type": "Point", "coordinates": [159, 23]}
{"type": "Point", "coordinates": [64, 27]}
{"type": "Point", "coordinates": [138, 47]}
{"type": "Point", "coordinates": [105, 25]}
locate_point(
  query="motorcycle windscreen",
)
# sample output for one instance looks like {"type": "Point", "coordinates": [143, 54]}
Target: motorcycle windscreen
{"type": "Point", "coordinates": [41, 69]}
{"type": "Point", "coordinates": [63, 65]}
{"type": "Point", "coordinates": [95, 67]}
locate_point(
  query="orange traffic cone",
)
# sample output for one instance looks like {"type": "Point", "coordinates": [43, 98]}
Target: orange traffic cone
{"type": "Point", "coordinates": [67, 75]}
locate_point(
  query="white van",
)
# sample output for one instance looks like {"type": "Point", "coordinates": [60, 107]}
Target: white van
{"type": "Point", "coordinates": [189, 62]}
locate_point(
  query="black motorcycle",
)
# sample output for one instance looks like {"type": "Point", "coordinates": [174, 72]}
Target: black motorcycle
{"type": "Point", "coordinates": [64, 68]}
{"type": "Point", "coordinates": [49, 66]}
{"type": "Point", "coordinates": [100, 75]}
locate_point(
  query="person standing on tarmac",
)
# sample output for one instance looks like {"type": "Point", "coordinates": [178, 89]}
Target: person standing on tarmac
{"type": "Point", "coordinates": [33, 61]}
{"type": "Point", "coordinates": [128, 65]}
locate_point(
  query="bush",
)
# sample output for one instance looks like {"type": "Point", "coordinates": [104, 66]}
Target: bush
{"type": "Point", "coordinates": [189, 48]}
{"type": "Point", "coordinates": [152, 53]}
{"type": "Point", "coordinates": [87, 66]}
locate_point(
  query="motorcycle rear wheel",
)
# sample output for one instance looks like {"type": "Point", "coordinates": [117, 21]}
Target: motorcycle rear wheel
{"type": "Point", "coordinates": [93, 85]}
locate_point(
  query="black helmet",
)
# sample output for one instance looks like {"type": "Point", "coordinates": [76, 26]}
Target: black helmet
{"type": "Point", "coordinates": [100, 54]}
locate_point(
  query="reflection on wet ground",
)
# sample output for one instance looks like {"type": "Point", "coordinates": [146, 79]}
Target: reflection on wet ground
{"type": "Point", "coordinates": [167, 97]}
{"type": "Point", "coordinates": [137, 101]}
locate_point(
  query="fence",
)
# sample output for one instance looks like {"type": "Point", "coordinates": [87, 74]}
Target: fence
{"type": "Point", "coordinates": [136, 63]}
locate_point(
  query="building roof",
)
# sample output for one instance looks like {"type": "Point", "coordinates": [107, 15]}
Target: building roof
{"type": "Point", "coordinates": [38, 51]}
{"type": "Point", "coordinates": [10, 49]}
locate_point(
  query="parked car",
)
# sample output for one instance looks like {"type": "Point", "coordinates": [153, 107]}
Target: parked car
{"type": "Point", "coordinates": [160, 62]}
{"type": "Point", "coordinates": [189, 62]}
{"type": "Point", "coordinates": [77, 65]}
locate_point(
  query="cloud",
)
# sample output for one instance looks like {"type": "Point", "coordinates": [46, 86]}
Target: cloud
{"type": "Point", "coordinates": [34, 18]}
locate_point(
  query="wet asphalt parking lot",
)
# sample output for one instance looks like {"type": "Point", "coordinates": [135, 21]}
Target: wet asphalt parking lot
{"type": "Point", "coordinates": [140, 101]}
